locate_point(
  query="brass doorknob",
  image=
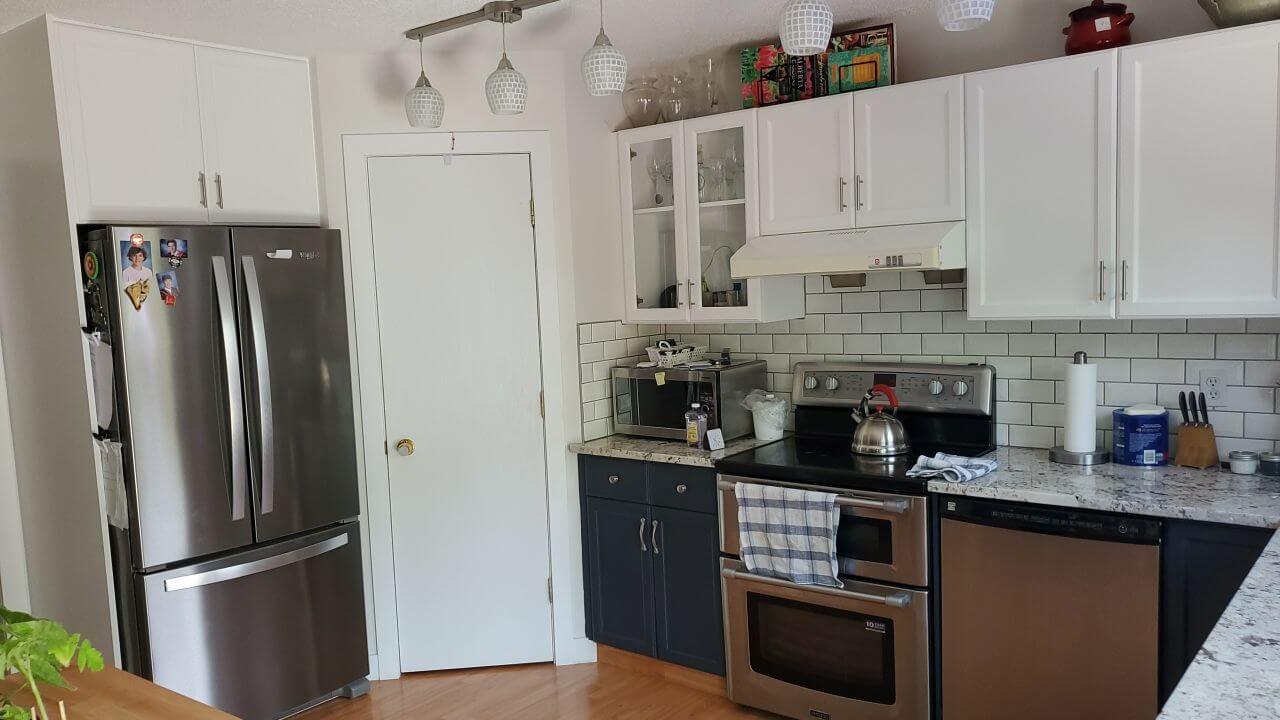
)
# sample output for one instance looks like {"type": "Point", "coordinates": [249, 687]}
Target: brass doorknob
{"type": "Point", "coordinates": [405, 447]}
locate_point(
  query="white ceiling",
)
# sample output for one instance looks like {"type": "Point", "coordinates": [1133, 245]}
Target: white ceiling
{"type": "Point", "coordinates": [648, 31]}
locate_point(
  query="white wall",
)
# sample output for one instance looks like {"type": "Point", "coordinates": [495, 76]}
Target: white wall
{"type": "Point", "coordinates": [360, 94]}
{"type": "Point", "coordinates": [1020, 31]}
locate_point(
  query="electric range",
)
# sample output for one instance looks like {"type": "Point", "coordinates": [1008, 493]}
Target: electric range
{"type": "Point", "coordinates": [862, 651]}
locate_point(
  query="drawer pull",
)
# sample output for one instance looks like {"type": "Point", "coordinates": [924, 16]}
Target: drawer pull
{"type": "Point", "coordinates": [682, 488]}
{"type": "Point", "coordinates": [613, 479]}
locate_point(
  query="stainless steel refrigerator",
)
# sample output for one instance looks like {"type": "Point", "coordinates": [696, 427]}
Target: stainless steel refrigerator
{"type": "Point", "coordinates": [239, 575]}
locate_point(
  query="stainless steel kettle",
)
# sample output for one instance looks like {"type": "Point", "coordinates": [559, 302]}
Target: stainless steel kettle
{"type": "Point", "coordinates": [878, 433]}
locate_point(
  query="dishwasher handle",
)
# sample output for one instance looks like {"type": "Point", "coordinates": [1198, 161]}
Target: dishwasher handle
{"type": "Point", "coordinates": [1048, 520]}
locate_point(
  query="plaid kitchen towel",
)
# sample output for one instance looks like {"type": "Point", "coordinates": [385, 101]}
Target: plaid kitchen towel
{"type": "Point", "coordinates": [954, 468]}
{"type": "Point", "coordinates": [788, 533]}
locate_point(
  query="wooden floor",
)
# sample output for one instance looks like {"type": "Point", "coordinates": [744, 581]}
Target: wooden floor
{"type": "Point", "coordinates": [537, 692]}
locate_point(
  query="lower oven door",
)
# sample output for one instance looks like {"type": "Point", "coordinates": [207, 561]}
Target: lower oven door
{"type": "Point", "coordinates": [858, 653]}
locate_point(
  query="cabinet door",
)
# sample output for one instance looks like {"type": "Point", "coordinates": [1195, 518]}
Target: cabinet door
{"type": "Point", "coordinates": [620, 574]}
{"type": "Point", "coordinates": [686, 569]}
{"type": "Point", "coordinates": [131, 125]}
{"type": "Point", "coordinates": [259, 137]}
{"type": "Point", "coordinates": [1041, 176]}
{"type": "Point", "coordinates": [806, 165]}
{"type": "Point", "coordinates": [655, 281]}
{"type": "Point", "coordinates": [909, 148]}
{"type": "Point", "coordinates": [1198, 175]}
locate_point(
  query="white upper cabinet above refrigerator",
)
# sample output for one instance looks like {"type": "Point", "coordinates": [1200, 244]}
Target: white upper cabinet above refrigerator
{"type": "Point", "coordinates": [131, 123]}
{"type": "Point", "coordinates": [1041, 149]}
{"type": "Point", "coordinates": [806, 165]}
{"type": "Point", "coordinates": [909, 152]}
{"type": "Point", "coordinates": [258, 142]}
{"type": "Point", "coordinates": [1198, 199]}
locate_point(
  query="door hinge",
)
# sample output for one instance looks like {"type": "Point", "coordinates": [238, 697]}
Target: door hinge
{"type": "Point", "coordinates": [542, 404]}
{"type": "Point", "coordinates": [550, 600]}
{"type": "Point", "coordinates": [533, 214]}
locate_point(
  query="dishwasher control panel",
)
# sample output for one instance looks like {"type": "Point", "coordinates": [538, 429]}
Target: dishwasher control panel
{"type": "Point", "coordinates": [1083, 524]}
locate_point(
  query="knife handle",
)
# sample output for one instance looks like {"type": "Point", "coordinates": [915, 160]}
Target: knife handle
{"type": "Point", "coordinates": [1195, 411]}
{"type": "Point", "coordinates": [1182, 405]}
{"type": "Point", "coordinates": [1204, 410]}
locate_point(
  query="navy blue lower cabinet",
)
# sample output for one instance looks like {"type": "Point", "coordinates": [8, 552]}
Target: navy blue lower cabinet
{"type": "Point", "coordinates": [620, 574]}
{"type": "Point", "coordinates": [687, 589]}
{"type": "Point", "coordinates": [1202, 566]}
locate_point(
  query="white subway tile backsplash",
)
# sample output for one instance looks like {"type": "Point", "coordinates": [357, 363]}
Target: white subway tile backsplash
{"type": "Point", "coordinates": [958, 322]}
{"type": "Point", "coordinates": [920, 322]}
{"type": "Point", "coordinates": [937, 344]}
{"type": "Point", "coordinates": [851, 323]}
{"type": "Point", "coordinates": [1049, 368]}
{"type": "Point", "coordinates": [862, 344]}
{"type": "Point", "coordinates": [740, 328]}
{"type": "Point", "coordinates": [591, 352]}
{"type": "Point", "coordinates": [790, 343]}
{"type": "Point", "coordinates": [903, 344]}
{"type": "Point", "coordinates": [1033, 344]}
{"type": "Point", "coordinates": [1246, 347]}
{"type": "Point", "coordinates": [986, 344]}
{"type": "Point", "coordinates": [757, 343]}
{"type": "Point", "coordinates": [1250, 399]}
{"type": "Point", "coordinates": [1011, 367]}
{"type": "Point", "coordinates": [813, 283]}
{"type": "Point", "coordinates": [877, 281]}
{"type": "Point", "coordinates": [1030, 391]}
{"type": "Point", "coordinates": [808, 324]}
{"type": "Point", "coordinates": [1106, 326]}
{"type": "Point", "coordinates": [1186, 346]}
{"type": "Point", "coordinates": [1257, 325]}
{"type": "Point", "coordinates": [822, 303]}
{"type": "Point", "coordinates": [1160, 326]}
{"type": "Point", "coordinates": [1231, 371]}
{"type": "Point", "coordinates": [860, 302]}
{"type": "Point", "coordinates": [1217, 325]}
{"type": "Point", "coordinates": [900, 301]}
{"type": "Point", "coordinates": [596, 390]}
{"type": "Point", "coordinates": [1030, 436]}
{"type": "Point", "coordinates": [1016, 413]}
{"type": "Point", "coordinates": [733, 343]}
{"type": "Point", "coordinates": [1158, 371]}
{"type": "Point", "coordinates": [604, 331]}
{"type": "Point", "coordinates": [1132, 346]}
{"type": "Point", "coordinates": [942, 299]}
{"type": "Point", "coordinates": [1123, 394]}
{"type": "Point", "coordinates": [1055, 326]}
{"type": "Point", "coordinates": [883, 322]}
{"type": "Point", "coordinates": [1112, 369]}
{"type": "Point", "coordinates": [1009, 326]}
{"type": "Point", "coordinates": [826, 344]}
{"type": "Point", "coordinates": [1071, 343]}
{"type": "Point", "coordinates": [1262, 373]}
{"type": "Point", "coordinates": [1262, 426]}
{"type": "Point", "coordinates": [1051, 414]}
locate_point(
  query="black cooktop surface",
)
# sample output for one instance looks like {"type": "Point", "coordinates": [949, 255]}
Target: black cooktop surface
{"type": "Point", "coordinates": [828, 462]}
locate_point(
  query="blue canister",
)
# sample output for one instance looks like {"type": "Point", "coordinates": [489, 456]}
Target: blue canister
{"type": "Point", "coordinates": [1140, 435]}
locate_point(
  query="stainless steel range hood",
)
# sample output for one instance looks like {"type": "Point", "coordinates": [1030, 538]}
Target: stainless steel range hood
{"type": "Point", "coordinates": [929, 246]}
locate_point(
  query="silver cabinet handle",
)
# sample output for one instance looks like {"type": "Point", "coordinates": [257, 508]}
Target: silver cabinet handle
{"type": "Point", "coordinates": [693, 295]}
{"type": "Point", "coordinates": [682, 488]}
{"type": "Point", "coordinates": [613, 479]}
{"type": "Point", "coordinates": [893, 506]}
{"type": "Point", "coordinates": [235, 399]}
{"type": "Point", "coordinates": [254, 567]}
{"type": "Point", "coordinates": [653, 537]}
{"type": "Point", "coordinates": [643, 547]}
{"type": "Point", "coordinates": [266, 434]}
{"type": "Point", "coordinates": [857, 192]}
{"type": "Point", "coordinates": [843, 184]}
{"type": "Point", "coordinates": [204, 190]}
{"type": "Point", "coordinates": [1102, 279]}
{"type": "Point", "coordinates": [217, 183]}
{"type": "Point", "coordinates": [1124, 279]}
{"type": "Point", "coordinates": [679, 299]}
{"type": "Point", "coordinates": [896, 599]}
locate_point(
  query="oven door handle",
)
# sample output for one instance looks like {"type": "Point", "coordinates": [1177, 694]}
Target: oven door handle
{"type": "Point", "coordinates": [893, 506]}
{"type": "Point", "coordinates": [896, 599]}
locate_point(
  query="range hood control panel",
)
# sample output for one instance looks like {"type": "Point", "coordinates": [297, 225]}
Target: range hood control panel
{"type": "Point", "coordinates": [967, 389]}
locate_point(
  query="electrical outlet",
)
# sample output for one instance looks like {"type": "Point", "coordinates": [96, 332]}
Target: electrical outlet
{"type": "Point", "coordinates": [1212, 387]}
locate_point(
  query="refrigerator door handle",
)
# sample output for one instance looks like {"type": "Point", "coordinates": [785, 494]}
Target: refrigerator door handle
{"type": "Point", "coordinates": [266, 439]}
{"type": "Point", "coordinates": [184, 582]}
{"type": "Point", "coordinates": [235, 401]}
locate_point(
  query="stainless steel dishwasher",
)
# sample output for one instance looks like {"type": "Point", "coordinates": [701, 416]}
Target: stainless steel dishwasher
{"type": "Point", "coordinates": [1048, 613]}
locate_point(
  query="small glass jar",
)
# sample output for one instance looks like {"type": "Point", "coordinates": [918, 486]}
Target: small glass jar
{"type": "Point", "coordinates": [1243, 462]}
{"type": "Point", "coordinates": [1269, 464]}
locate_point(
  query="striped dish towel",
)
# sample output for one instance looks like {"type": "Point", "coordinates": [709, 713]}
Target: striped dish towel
{"type": "Point", "coordinates": [788, 533]}
{"type": "Point", "coordinates": [954, 468]}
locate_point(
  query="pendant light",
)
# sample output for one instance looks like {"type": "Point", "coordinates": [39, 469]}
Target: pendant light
{"type": "Point", "coordinates": [805, 27]}
{"type": "Point", "coordinates": [958, 15]}
{"type": "Point", "coordinates": [424, 104]}
{"type": "Point", "coordinates": [604, 68]}
{"type": "Point", "coordinates": [506, 89]}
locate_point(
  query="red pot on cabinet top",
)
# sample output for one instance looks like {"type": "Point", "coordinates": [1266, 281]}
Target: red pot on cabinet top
{"type": "Point", "coordinates": [1097, 26]}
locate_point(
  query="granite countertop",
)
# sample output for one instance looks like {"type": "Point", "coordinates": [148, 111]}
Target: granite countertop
{"type": "Point", "coordinates": [1213, 495]}
{"type": "Point", "coordinates": [664, 451]}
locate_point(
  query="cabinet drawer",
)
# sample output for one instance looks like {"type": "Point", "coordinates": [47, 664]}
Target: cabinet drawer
{"type": "Point", "coordinates": [614, 478]}
{"type": "Point", "coordinates": [682, 487]}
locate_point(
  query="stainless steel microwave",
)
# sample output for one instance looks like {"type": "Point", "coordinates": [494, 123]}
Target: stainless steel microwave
{"type": "Point", "coordinates": [651, 402]}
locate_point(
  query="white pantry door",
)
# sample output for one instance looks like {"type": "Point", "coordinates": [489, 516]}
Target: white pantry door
{"type": "Point", "coordinates": [461, 367]}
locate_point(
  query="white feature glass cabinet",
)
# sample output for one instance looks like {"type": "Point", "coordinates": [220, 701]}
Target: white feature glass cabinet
{"type": "Point", "coordinates": [688, 192]}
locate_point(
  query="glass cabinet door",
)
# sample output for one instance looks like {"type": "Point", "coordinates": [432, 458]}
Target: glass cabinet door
{"type": "Point", "coordinates": [720, 167]}
{"type": "Point", "coordinates": [653, 201]}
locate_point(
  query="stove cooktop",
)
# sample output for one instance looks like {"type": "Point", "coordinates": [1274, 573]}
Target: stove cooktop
{"type": "Point", "coordinates": [828, 462]}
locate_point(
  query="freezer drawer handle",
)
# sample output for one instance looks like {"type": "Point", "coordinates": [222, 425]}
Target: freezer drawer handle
{"type": "Point", "coordinates": [897, 599]}
{"type": "Point", "coordinates": [186, 582]}
{"type": "Point", "coordinates": [893, 506]}
{"type": "Point", "coordinates": [266, 436]}
{"type": "Point", "coordinates": [235, 401]}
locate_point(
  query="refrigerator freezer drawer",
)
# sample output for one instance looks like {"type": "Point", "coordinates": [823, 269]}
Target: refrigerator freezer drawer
{"type": "Point", "coordinates": [262, 632]}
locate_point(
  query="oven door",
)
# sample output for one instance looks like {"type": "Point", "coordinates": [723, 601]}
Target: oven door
{"type": "Point", "coordinates": [882, 536]}
{"type": "Point", "coordinates": [860, 653]}
{"type": "Point", "coordinates": [642, 406]}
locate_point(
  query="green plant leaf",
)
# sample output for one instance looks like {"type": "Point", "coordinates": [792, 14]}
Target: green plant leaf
{"type": "Point", "coordinates": [89, 657]}
{"type": "Point", "coordinates": [46, 672]}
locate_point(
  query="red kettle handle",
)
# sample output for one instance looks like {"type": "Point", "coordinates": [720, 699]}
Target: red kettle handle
{"type": "Point", "coordinates": [887, 392]}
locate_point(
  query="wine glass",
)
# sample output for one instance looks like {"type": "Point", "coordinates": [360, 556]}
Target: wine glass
{"type": "Point", "coordinates": [733, 169]}
{"type": "Point", "coordinates": [654, 168]}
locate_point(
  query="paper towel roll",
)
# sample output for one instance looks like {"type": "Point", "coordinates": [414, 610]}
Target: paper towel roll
{"type": "Point", "coordinates": [1081, 410]}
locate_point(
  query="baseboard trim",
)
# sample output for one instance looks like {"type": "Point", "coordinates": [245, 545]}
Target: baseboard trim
{"type": "Point", "coordinates": [575, 652]}
{"type": "Point", "coordinates": [678, 674]}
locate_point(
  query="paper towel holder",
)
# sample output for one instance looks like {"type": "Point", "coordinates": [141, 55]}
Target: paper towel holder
{"type": "Point", "coordinates": [1064, 456]}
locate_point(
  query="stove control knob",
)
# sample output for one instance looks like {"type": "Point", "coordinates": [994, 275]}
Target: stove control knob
{"type": "Point", "coordinates": [935, 387]}
{"type": "Point", "coordinates": [960, 388]}
{"type": "Point", "coordinates": [810, 383]}
{"type": "Point", "coordinates": [832, 383]}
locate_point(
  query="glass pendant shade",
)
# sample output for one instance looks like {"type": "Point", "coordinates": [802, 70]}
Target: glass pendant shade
{"type": "Point", "coordinates": [805, 27]}
{"type": "Point", "coordinates": [604, 68]}
{"type": "Point", "coordinates": [424, 104]}
{"type": "Point", "coordinates": [959, 15]}
{"type": "Point", "coordinates": [506, 89]}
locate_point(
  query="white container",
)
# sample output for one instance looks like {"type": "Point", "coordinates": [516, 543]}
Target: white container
{"type": "Point", "coordinates": [768, 414]}
{"type": "Point", "coordinates": [1243, 462]}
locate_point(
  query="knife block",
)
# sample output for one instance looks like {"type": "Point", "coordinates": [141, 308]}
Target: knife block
{"type": "Point", "coordinates": [1197, 447]}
